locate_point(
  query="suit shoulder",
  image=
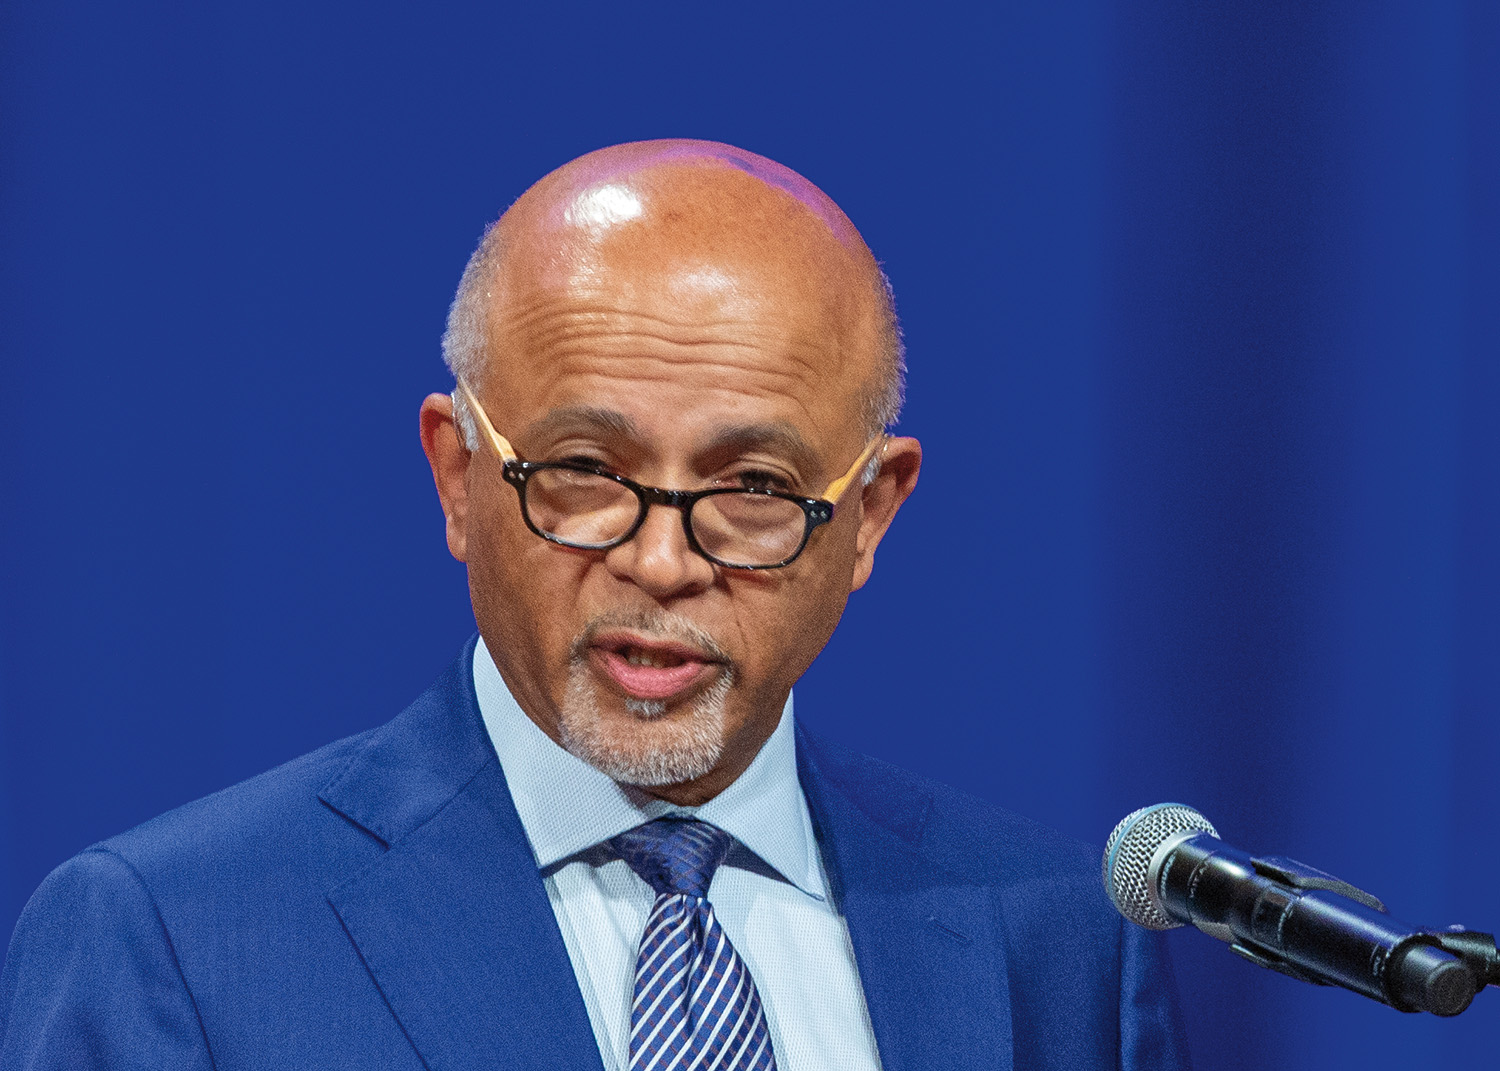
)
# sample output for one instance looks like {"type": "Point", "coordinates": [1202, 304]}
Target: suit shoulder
{"type": "Point", "coordinates": [315, 819]}
{"type": "Point", "coordinates": [90, 963]}
{"type": "Point", "coordinates": [277, 812]}
{"type": "Point", "coordinates": [1000, 845]}
{"type": "Point", "coordinates": [959, 831]}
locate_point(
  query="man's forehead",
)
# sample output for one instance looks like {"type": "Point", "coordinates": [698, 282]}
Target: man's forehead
{"type": "Point", "coordinates": [719, 435]}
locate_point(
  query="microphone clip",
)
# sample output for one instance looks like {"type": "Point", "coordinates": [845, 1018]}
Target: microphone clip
{"type": "Point", "coordinates": [1301, 876]}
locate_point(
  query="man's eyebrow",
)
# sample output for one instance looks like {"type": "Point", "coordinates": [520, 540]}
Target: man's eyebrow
{"type": "Point", "coordinates": [583, 418]}
{"type": "Point", "coordinates": [781, 439]}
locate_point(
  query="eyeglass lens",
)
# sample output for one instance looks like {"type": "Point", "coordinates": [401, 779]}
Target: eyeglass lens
{"type": "Point", "coordinates": [588, 510]}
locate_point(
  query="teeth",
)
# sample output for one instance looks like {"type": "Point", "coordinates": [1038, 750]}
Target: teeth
{"type": "Point", "coordinates": [638, 657]}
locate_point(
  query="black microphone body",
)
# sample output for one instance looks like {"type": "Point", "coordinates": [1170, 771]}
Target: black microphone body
{"type": "Point", "coordinates": [1266, 911]}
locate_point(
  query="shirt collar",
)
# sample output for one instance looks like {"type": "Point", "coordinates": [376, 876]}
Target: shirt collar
{"type": "Point", "coordinates": [567, 807]}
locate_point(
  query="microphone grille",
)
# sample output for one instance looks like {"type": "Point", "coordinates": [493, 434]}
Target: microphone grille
{"type": "Point", "coordinates": [1127, 858]}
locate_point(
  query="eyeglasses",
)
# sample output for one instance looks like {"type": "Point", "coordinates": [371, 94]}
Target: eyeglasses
{"type": "Point", "coordinates": [588, 507]}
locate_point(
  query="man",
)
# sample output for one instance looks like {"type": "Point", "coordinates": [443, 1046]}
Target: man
{"type": "Point", "coordinates": [600, 836]}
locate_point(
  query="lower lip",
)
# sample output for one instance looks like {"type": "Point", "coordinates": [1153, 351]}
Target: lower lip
{"type": "Point", "coordinates": [651, 682]}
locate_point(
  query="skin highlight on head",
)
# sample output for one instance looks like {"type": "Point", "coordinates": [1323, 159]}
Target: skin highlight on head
{"type": "Point", "coordinates": [688, 315]}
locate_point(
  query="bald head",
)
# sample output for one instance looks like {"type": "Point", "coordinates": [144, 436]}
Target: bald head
{"type": "Point", "coordinates": [706, 221]}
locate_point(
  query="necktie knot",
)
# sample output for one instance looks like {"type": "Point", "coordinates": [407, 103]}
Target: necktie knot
{"type": "Point", "coordinates": [674, 855]}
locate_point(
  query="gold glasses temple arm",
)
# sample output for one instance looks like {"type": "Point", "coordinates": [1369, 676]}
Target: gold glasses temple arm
{"type": "Point", "coordinates": [837, 488]}
{"type": "Point", "coordinates": [501, 445]}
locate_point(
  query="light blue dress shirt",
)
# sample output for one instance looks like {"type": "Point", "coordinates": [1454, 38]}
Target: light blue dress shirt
{"type": "Point", "coordinates": [771, 895]}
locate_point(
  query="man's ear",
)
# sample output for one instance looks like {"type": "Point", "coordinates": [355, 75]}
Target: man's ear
{"type": "Point", "coordinates": [900, 464]}
{"type": "Point", "coordinates": [443, 443]}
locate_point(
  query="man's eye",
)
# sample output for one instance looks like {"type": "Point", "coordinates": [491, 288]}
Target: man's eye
{"type": "Point", "coordinates": [761, 480]}
{"type": "Point", "coordinates": [584, 461]}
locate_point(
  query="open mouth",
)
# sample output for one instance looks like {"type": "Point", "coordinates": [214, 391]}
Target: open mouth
{"type": "Point", "coordinates": [645, 668]}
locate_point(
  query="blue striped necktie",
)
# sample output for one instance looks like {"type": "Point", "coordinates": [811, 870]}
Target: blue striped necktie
{"type": "Point", "coordinates": [695, 1007]}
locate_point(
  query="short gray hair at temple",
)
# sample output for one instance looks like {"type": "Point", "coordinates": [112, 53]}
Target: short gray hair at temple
{"type": "Point", "coordinates": [466, 345]}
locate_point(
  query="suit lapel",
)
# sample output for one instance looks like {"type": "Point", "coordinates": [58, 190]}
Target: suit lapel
{"type": "Point", "coordinates": [452, 921]}
{"type": "Point", "coordinates": [926, 942]}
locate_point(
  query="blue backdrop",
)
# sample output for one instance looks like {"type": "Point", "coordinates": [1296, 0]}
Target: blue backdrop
{"type": "Point", "coordinates": [1202, 303]}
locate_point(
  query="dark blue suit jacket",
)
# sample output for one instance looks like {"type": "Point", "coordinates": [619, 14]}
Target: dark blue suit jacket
{"type": "Point", "coordinates": [375, 905]}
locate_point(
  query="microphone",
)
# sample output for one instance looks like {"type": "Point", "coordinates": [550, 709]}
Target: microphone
{"type": "Point", "coordinates": [1165, 866]}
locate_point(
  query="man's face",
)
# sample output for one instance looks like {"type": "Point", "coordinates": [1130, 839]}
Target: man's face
{"type": "Point", "coordinates": [681, 367]}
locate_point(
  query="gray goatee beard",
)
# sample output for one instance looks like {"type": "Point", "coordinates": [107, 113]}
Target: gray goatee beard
{"type": "Point", "coordinates": [650, 749]}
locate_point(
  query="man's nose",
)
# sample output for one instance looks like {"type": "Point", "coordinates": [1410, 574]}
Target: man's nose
{"type": "Point", "coordinates": [658, 558]}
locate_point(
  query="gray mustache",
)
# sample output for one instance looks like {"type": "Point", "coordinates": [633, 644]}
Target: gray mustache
{"type": "Point", "coordinates": [659, 624]}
